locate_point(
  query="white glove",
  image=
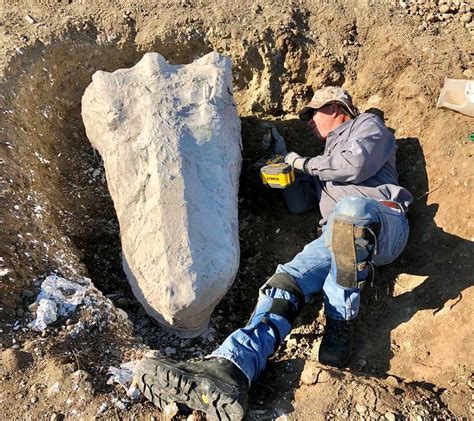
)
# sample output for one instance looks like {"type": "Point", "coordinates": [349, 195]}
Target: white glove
{"type": "Point", "coordinates": [296, 161]}
{"type": "Point", "coordinates": [278, 147]}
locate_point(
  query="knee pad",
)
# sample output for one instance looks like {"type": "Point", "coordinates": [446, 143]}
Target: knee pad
{"type": "Point", "coordinates": [281, 306]}
{"type": "Point", "coordinates": [345, 237]}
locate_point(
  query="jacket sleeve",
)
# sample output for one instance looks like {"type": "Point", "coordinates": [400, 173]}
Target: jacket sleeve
{"type": "Point", "coordinates": [368, 148]}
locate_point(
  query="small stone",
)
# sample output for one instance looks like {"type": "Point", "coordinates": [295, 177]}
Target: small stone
{"type": "Point", "coordinates": [170, 410]}
{"type": "Point", "coordinates": [392, 380]}
{"type": "Point", "coordinates": [470, 383]}
{"type": "Point", "coordinates": [27, 294]}
{"type": "Point", "coordinates": [20, 312]}
{"type": "Point", "coordinates": [324, 376]}
{"type": "Point", "coordinates": [390, 416]}
{"type": "Point", "coordinates": [310, 373]}
{"type": "Point", "coordinates": [102, 408]}
{"type": "Point", "coordinates": [170, 351]}
{"type": "Point", "coordinates": [30, 19]}
{"type": "Point", "coordinates": [466, 17]}
{"type": "Point", "coordinates": [54, 417]}
{"type": "Point", "coordinates": [291, 343]}
{"type": "Point", "coordinates": [468, 73]}
{"type": "Point", "coordinates": [34, 399]}
{"type": "Point", "coordinates": [444, 8]}
{"type": "Point", "coordinates": [419, 418]}
{"type": "Point", "coordinates": [361, 409]}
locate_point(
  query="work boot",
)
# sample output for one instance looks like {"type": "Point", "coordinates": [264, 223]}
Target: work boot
{"type": "Point", "coordinates": [336, 346]}
{"type": "Point", "coordinates": [215, 386]}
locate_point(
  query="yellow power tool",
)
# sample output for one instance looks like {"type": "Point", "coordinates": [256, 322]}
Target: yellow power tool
{"type": "Point", "coordinates": [277, 174]}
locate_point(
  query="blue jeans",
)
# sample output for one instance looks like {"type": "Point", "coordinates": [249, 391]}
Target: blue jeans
{"type": "Point", "coordinates": [313, 270]}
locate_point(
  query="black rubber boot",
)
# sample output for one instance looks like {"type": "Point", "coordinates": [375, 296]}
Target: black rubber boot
{"type": "Point", "coordinates": [336, 346]}
{"type": "Point", "coordinates": [215, 386]}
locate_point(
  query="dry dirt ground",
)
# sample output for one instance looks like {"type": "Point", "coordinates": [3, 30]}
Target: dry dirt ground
{"type": "Point", "coordinates": [414, 351]}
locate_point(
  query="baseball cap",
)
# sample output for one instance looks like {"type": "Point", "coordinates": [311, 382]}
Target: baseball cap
{"type": "Point", "coordinates": [328, 95]}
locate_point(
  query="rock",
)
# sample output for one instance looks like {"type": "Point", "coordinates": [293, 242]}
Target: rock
{"type": "Point", "coordinates": [12, 360]}
{"type": "Point", "coordinates": [468, 73]}
{"type": "Point", "coordinates": [392, 381]}
{"type": "Point", "coordinates": [27, 294]}
{"type": "Point", "coordinates": [170, 410]}
{"type": "Point", "coordinates": [466, 17]}
{"type": "Point", "coordinates": [170, 351]}
{"type": "Point", "coordinates": [361, 409]}
{"type": "Point", "coordinates": [444, 8]}
{"type": "Point", "coordinates": [34, 399]}
{"type": "Point", "coordinates": [390, 416]}
{"type": "Point", "coordinates": [310, 373]}
{"type": "Point", "coordinates": [30, 19]}
{"type": "Point", "coordinates": [292, 343]}
{"type": "Point", "coordinates": [169, 136]}
{"type": "Point", "coordinates": [313, 373]}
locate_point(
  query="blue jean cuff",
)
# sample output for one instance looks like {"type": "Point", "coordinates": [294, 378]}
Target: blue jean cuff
{"type": "Point", "coordinates": [346, 315]}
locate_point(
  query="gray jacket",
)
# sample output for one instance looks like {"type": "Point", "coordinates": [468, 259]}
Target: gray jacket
{"type": "Point", "coordinates": [358, 160]}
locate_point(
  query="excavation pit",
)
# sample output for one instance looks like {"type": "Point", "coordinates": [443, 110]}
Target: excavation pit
{"type": "Point", "coordinates": [57, 215]}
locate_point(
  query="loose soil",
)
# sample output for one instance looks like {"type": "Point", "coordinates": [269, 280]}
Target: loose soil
{"type": "Point", "coordinates": [413, 355]}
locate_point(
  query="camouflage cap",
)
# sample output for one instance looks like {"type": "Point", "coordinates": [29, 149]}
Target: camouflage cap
{"type": "Point", "coordinates": [328, 95]}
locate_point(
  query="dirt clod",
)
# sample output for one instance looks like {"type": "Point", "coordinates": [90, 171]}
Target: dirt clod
{"type": "Point", "coordinates": [13, 360]}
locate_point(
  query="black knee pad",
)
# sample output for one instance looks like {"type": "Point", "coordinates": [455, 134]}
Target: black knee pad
{"type": "Point", "coordinates": [280, 306]}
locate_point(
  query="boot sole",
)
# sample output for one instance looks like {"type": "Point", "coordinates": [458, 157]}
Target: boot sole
{"type": "Point", "coordinates": [162, 383]}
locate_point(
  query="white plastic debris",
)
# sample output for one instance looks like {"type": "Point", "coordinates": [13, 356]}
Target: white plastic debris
{"type": "Point", "coordinates": [58, 297]}
{"type": "Point", "coordinates": [124, 377]}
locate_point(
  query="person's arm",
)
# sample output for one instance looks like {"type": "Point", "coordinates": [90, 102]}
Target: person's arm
{"type": "Point", "coordinates": [369, 149]}
{"type": "Point", "coordinates": [302, 195]}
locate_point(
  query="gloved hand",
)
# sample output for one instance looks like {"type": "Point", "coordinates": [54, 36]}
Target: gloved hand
{"type": "Point", "coordinates": [275, 146]}
{"type": "Point", "coordinates": [296, 161]}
